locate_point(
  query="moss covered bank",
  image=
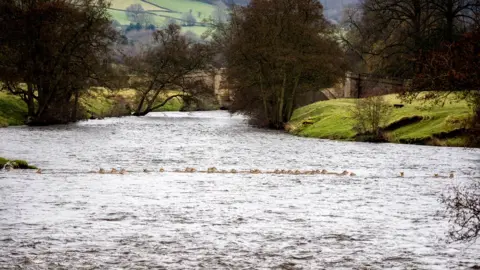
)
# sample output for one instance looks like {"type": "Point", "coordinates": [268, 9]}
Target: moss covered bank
{"type": "Point", "coordinates": [415, 123]}
{"type": "Point", "coordinates": [16, 164]}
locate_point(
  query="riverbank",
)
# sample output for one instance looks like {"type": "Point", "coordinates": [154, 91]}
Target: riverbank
{"type": "Point", "coordinates": [97, 104]}
{"type": "Point", "coordinates": [13, 111]}
{"type": "Point", "coordinates": [415, 123]}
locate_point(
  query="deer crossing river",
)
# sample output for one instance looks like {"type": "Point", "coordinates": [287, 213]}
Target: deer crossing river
{"type": "Point", "coordinates": [69, 218]}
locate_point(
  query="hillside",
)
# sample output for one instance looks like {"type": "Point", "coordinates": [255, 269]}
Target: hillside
{"type": "Point", "coordinates": [163, 11]}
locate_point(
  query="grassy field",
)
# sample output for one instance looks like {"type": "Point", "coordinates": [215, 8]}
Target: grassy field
{"type": "Point", "coordinates": [165, 9]}
{"type": "Point", "coordinates": [414, 123]}
{"type": "Point", "coordinates": [119, 16]}
{"type": "Point", "coordinates": [13, 111]}
{"type": "Point", "coordinates": [123, 4]}
{"type": "Point", "coordinates": [183, 6]}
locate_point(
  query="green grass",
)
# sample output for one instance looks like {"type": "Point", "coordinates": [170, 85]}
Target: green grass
{"type": "Point", "coordinates": [330, 120]}
{"type": "Point", "coordinates": [119, 16]}
{"type": "Point", "coordinates": [184, 6]}
{"type": "Point", "coordinates": [105, 104]}
{"type": "Point", "coordinates": [159, 21]}
{"type": "Point", "coordinates": [200, 10]}
{"type": "Point", "coordinates": [13, 111]}
{"type": "Point", "coordinates": [173, 105]}
{"type": "Point", "coordinates": [3, 161]}
{"type": "Point", "coordinates": [123, 4]}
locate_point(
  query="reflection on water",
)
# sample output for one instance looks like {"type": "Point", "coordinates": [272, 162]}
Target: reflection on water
{"type": "Point", "coordinates": [70, 218]}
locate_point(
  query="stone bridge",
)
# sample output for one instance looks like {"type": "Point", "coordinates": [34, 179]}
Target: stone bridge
{"type": "Point", "coordinates": [355, 86]}
{"type": "Point", "coordinates": [217, 82]}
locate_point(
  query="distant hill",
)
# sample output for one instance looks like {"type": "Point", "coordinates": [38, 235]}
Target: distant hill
{"type": "Point", "coordinates": [164, 11]}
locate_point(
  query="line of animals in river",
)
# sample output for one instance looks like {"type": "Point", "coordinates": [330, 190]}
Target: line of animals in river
{"type": "Point", "coordinates": [252, 171]}
{"type": "Point", "coordinates": [233, 171]}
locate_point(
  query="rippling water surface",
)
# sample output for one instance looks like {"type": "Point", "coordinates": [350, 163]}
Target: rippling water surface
{"type": "Point", "coordinates": [69, 218]}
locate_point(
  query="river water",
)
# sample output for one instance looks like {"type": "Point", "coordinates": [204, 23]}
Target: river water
{"type": "Point", "coordinates": [69, 218]}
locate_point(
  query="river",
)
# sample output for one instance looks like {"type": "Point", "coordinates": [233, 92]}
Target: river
{"type": "Point", "coordinates": [70, 218]}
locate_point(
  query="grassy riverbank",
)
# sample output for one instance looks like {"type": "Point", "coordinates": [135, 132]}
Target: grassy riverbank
{"type": "Point", "coordinates": [13, 110]}
{"type": "Point", "coordinates": [416, 123]}
{"type": "Point", "coordinates": [104, 103]}
{"type": "Point", "coordinates": [98, 104]}
{"type": "Point", "coordinates": [17, 164]}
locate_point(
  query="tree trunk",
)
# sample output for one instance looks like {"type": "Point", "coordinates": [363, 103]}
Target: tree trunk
{"type": "Point", "coordinates": [140, 105]}
{"type": "Point", "coordinates": [152, 101]}
{"type": "Point", "coordinates": [292, 98]}
{"type": "Point", "coordinates": [279, 122]}
{"type": "Point", "coordinates": [264, 98]}
{"type": "Point", "coordinates": [449, 16]}
{"type": "Point", "coordinates": [152, 108]}
{"type": "Point", "coordinates": [75, 106]}
{"type": "Point", "coordinates": [30, 100]}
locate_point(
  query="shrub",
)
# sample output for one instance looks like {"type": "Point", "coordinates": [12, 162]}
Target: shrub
{"type": "Point", "coordinates": [370, 115]}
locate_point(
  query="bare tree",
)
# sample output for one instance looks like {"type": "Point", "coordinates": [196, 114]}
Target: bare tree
{"type": "Point", "coordinates": [455, 17]}
{"type": "Point", "coordinates": [173, 63]}
{"type": "Point", "coordinates": [274, 51]}
{"type": "Point", "coordinates": [391, 36]}
{"type": "Point", "coordinates": [463, 209]}
{"type": "Point", "coordinates": [388, 34]}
